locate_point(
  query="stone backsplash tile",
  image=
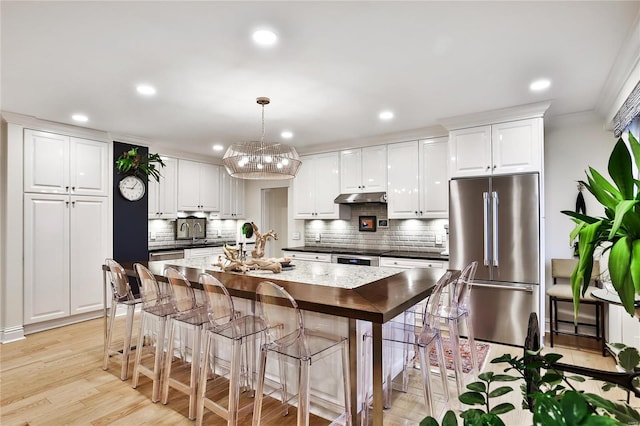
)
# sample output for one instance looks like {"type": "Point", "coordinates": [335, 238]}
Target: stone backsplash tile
{"type": "Point", "coordinates": [165, 231]}
{"type": "Point", "coordinates": [402, 234]}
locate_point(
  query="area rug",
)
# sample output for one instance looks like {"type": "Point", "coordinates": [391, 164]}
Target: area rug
{"type": "Point", "coordinates": [482, 350]}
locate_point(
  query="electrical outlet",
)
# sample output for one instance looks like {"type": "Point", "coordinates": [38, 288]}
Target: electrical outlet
{"type": "Point", "coordinates": [152, 236]}
{"type": "Point", "coordinates": [318, 237]}
{"type": "Point", "coordinates": [296, 236]}
{"type": "Point", "coordinates": [438, 239]}
{"type": "Point", "coordinates": [219, 233]}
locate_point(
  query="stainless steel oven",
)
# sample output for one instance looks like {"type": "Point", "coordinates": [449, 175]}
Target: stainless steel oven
{"type": "Point", "coordinates": [350, 259]}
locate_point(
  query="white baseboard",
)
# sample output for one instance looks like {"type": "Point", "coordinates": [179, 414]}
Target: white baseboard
{"type": "Point", "coordinates": [12, 334]}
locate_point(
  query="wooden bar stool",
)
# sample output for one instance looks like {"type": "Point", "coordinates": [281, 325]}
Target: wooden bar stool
{"type": "Point", "coordinates": [563, 268]}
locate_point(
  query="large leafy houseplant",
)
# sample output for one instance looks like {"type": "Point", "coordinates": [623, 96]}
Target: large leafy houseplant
{"type": "Point", "coordinates": [618, 231]}
{"type": "Point", "coordinates": [130, 162]}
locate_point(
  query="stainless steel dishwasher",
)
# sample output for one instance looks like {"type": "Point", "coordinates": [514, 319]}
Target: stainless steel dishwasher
{"type": "Point", "coordinates": [166, 255]}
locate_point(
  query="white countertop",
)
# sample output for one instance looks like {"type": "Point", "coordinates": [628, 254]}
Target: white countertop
{"type": "Point", "coordinates": [307, 272]}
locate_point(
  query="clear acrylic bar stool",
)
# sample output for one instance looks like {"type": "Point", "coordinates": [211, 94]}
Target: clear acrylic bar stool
{"type": "Point", "coordinates": [121, 295]}
{"type": "Point", "coordinates": [229, 330]}
{"type": "Point", "coordinates": [405, 334]}
{"type": "Point", "coordinates": [290, 342]}
{"type": "Point", "coordinates": [189, 318]}
{"type": "Point", "coordinates": [452, 313]}
{"type": "Point", "coordinates": [151, 337]}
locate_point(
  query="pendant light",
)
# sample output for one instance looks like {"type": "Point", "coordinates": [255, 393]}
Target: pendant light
{"type": "Point", "coordinates": [261, 160]}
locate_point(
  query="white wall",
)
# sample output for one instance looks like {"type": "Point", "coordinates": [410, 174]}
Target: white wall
{"type": "Point", "coordinates": [253, 208]}
{"type": "Point", "coordinates": [572, 144]}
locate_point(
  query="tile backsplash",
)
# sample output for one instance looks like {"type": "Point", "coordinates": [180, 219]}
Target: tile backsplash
{"type": "Point", "coordinates": [164, 232]}
{"type": "Point", "coordinates": [402, 234]}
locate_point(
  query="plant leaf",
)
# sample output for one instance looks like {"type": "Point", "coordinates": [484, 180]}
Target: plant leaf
{"type": "Point", "coordinates": [603, 197]}
{"type": "Point", "coordinates": [502, 408]}
{"type": "Point", "coordinates": [574, 407]}
{"type": "Point", "coordinates": [621, 210]}
{"type": "Point", "coordinates": [604, 184]}
{"type": "Point", "coordinates": [502, 390]}
{"type": "Point", "coordinates": [582, 217]}
{"type": "Point", "coordinates": [619, 263]}
{"type": "Point", "coordinates": [450, 419]}
{"type": "Point", "coordinates": [634, 265]}
{"type": "Point", "coordinates": [503, 378]}
{"type": "Point", "coordinates": [472, 398]}
{"type": "Point", "coordinates": [430, 421]}
{"type": "Point", "coordinates": [620, 169]}
{"type": "Point", "coordinates": [582, 274]}
{"type": "Point", "coordinates": [635, 149]}
{"type": "Point", "coordinates": [628, 358]}
{"type": "Point", "coordinates": [552, 357]}
{"type": "Point", "coordinates": [547, 411]}
{"type": "Point", "coordinates": [477, 387]}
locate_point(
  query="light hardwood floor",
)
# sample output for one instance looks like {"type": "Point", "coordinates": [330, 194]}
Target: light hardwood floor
{"type": "Point", "coordinates": [55, 378]}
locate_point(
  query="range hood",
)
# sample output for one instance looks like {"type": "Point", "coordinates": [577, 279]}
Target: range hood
{"type": "Point", "coordinates": [362, 198]}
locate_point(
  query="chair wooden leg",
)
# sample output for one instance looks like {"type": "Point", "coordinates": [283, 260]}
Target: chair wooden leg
{"type": "Point", "coordinates": [552, 325]}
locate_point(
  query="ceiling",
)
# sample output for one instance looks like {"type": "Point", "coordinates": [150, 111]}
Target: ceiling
{"type": "Point", "coordinates": [335, 66]}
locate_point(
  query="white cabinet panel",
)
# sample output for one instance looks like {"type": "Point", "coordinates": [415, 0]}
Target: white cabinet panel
{"type": "Point", "coordinates": [517, 146]}
{"type": "Point", "coordinates": [403, 199]}
{"type": "Point", "coordinates": [89, 174]}
{"type": "Point", "coordinates": [232, 196]}
{"type": "Point", "coordinates": [46, 162]}
{"type": "Point", "coordinates": [363, 170]}
{"type": "Point", "coordinates": [198, 186]}
{"type": "Point", "coordinates": [163, 195]}
{"type": "Point", "coordinates": [407, 263]}
{"type": "Point", "coordinates": [471, 151]}
{"type": "Point", "coordinates": [89, 246]}
{"type": "Point", "coordinates": [434, 195]}
{"type": "Point", "coordinates": [501, 148]}
{"type": "Point", "coordinates": [46, 257]}
{"type": "Point", "coordinates": [315, 187]}
{"type": "Point", "coordinates": [307, 255]}
{"type": "Point", "coordinates": [60, 164]}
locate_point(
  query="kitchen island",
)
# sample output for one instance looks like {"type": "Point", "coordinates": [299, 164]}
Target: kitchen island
{"type": "Point", "coordinates": [348, 292]}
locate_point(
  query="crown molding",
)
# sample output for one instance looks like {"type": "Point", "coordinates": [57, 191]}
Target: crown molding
{"type": "Point", "coordinates": [520, 112]}
{"type": "Point", "coordinates": [623, 77]}
{"type": "Point", "coordinates": [36, 123]}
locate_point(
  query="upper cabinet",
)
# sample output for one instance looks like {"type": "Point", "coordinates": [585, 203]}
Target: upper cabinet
{"type": "Point", "coordinates": [61, 164]}
{"type": "Point", "coordinates": [232, 197]}
{"type": "Point", "coordinates": [198, 186]}
{"type": "Point", "coordinates": [417, 179]}
{"type": "Point", "coordinates": [315, 187]}
{"type": "Point", "coordinates": [163, 195]}
{"type": "Point", "coordinates": [363, 170]}
{"type": "Point", "coordinates": [502, 148]}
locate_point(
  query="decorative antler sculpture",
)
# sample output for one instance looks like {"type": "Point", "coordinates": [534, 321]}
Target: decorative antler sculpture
{"type": "Point", "coordinates": [233, 262]}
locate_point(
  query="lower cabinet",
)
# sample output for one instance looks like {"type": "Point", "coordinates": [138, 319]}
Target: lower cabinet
{"type": "Point", "coordinates": [401, 262]}
{"type": "Point", "coordinates": [66, 241]}
{"type": "Point", "coordinates": [306, 255]}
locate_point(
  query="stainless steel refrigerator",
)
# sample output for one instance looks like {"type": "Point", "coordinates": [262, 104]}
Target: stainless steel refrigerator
{"type": "Point", "coordinates": [496, 221]}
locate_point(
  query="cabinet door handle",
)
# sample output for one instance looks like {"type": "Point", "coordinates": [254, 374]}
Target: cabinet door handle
{"type": "Point", "coordinates": [66, 188]}
{"type": "Point", "coordinates": [73, 203]}
{"type": "Point", "coordinates": [494, 167]}
{"type": "Point", "coordinates": [488, 167]}
{"type": "Point", "coordinates": [73, 188]}
{"type": "Point", "coordinates": [67, 203]}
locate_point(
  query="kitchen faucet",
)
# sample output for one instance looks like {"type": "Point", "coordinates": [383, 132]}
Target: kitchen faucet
{"type": "Point", "coordinates": [196, 225]}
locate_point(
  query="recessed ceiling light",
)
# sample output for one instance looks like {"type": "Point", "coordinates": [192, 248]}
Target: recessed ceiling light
{"type": "Point", "coordinates": [265, 37]}
{"type": "Point", "coordinates": [80, 118]}
{"type": "Point", "coordinates": [286, 134]}
{"type": "Point", "coordinates": [540, 85]}
{"type": "Point", "coordinates": [386, 115]}
{"type": "Point", "coordinates": [218, 147]}
{"type": "Point", "coordinates": [145, 89]}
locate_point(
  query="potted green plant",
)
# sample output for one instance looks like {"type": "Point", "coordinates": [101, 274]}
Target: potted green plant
{"type": "Point", "coordinates": [618, 231]}
{"type": "Point", "coordinates": [130, 162]}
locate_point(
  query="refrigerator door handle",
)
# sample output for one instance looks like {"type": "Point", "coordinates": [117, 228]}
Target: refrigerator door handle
{"type": "Point", "coordinates": [485, 210]}
{"type": "Point", "coordinates": [494, 199]}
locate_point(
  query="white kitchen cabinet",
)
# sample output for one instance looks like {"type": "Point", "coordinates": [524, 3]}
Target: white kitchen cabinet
{"type": "Point", "coordinates": [363, 170]}
{"type": "Point", "coordinates": [408, 263]}
{"type": "Point", "coordinates": [65, 244]}
{"type": "Point", "coordinates": [307, 255]}
{"type": "Point", "coordinates": [501, 148]}
{"type": "Point", "coordinates": [60, 164]}
{"type": "Point", "coordinates": [417, 179]}
{"type": "Point", "coordinates": [163, 195]}
{"type": "Point", "coordinates": [203, 252]}
{"type": "Point", "coordinates": [198, 186]}
{"type": "Point", "coordinates": [315, 187]}
{"type": "Point", "coordinates": [232, 194]}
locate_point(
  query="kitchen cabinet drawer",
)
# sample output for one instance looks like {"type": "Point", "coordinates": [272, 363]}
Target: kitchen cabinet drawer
{"type": "Point", "coordinates": [400, 262]}
{"type": "Point", "coordinates": [305, 255]}
{"type": "Point", "coordinates": [202, 252]}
